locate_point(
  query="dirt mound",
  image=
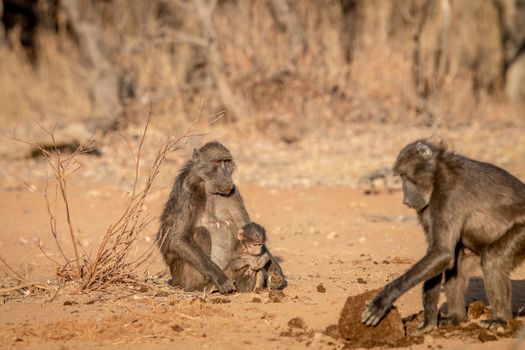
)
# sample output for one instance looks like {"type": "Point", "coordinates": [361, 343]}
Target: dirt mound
{"type": "Point", "coordinates": [388, 332]}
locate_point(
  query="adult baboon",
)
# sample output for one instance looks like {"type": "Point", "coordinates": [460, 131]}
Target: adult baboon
{"type": "Point", "coordinates": [199, 225]}
{"type": "Point", "coordinates": [468, 210]}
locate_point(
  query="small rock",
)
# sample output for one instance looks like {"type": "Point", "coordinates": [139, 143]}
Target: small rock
{"type": "Point", "coordinates": [321, 288]}
{"type": "Point", "coordinates": [276, 296]}
{"type": "Point", "coordinates": [486, 336]}
{"type": "Point", "coordinates": [297, 322]}
{"type": "Point", "coordinates": [332, 331]}
{"type": "Point", "coordinates": [177, 328]}
{"type": "Point", "coordinates": [220, 301]}
{"type": "Point", "coordinates": [361, 281]}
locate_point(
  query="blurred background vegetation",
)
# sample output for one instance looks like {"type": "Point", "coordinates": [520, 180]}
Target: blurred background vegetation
{"type": "Point", "coordinates": [369, 75]}
{"type": "Point", "coordinates": [270, 64]}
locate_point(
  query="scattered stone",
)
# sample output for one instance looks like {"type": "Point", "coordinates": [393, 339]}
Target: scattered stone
{"type": "Point", "coordinates": [401, 260]}
{"type": "Point", "coordinates": [256, 300]}
{"type": "Point", "coordinates": [219, 301]}
{"type": "Point", "coordinates": [287, 333]}
{"type": "Point", "coordinates": [361, 281]}
{"type": "Point", "coordinates": [276, 296]}
{"type": "Point", "coordinates": [332, 331]}
{"type": "Point", "coordinates": [297, 322]}
{"type": "Point", "coordinates": [486, 336]}
{"type": "Point", "coordinates": [388, 332]}
{"type": "Point", "coordinates": [321, 288]}
{"type": "Point", "coordinates": [177, 328]}
{"type": "Point", "coordinates": [69, 302]}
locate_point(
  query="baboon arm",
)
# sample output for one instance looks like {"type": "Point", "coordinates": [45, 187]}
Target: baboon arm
{"type": "Point", "coordinates": [238, 264]}
{"type": "Point", "coordinates": [443, 237]}
{"type": "Point", "coordinates": [430, 266]}
{"type": "Point", "coordinates": [259, 262]}
{"type": "Point", "coordinates": [187, 250]}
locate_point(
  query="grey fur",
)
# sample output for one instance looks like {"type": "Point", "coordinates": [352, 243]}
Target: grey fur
{"type": "Point", "coordinates": [247, 269]}
{"type": "Point", "coordinates": [199, 224]}
{"type": "Point", "coordinates": [470, 211]}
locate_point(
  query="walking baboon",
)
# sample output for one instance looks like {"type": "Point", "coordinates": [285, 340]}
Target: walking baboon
{"type": "Point", "coordinates": [470, 211]}
{"type": "Point", "coordinates": [199, 225]}
{"type": "Point", "coordinates": [249, 258]}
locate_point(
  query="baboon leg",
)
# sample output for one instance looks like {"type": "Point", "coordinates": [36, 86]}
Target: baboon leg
{"type": "Point", "coordinates": [184, 274]}
{"type": "Point", "coordinates": [497, 261]}
{"type": "Point", "coordinates": [246, 282]}
{"type": "Point", "coordinates": [260, 278]}
{"type": "Point", "coordinates": [431, 290]}
{"type": "Point", "coordinates": [456, 283]}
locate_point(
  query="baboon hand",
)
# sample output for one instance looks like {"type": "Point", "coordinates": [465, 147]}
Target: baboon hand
{"type": "Point", "coordinates": [375, 310]}
{"type": "Point", "coordinates": [224, 284]}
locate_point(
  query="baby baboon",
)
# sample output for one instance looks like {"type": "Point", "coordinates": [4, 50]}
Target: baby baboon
{"type": "Point", "coordinates": [199, 225]}
{"type": "Point", "coordinates": [469, 210]}
{"type": "Point", "coordinates": [249, 258]}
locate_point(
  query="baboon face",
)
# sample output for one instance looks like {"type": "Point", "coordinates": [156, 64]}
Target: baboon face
{"type": "Point", "coordinates": [416, 165]}
{"type": "Point", "coordinates": [253, 248]}
{"type": "Point", "coordinates": [215, 166]}
{"type": "Point", "coordinates": [252, 241]}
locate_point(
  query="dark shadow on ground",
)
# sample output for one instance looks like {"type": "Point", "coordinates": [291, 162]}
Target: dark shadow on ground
{"type": "Point", "coordinates": [476, 291]}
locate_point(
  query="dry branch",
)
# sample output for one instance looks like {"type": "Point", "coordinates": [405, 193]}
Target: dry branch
{"type": "Point", "coordinates": [112, 262]}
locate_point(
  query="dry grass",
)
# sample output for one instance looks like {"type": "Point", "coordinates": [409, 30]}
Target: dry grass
{"type": "Point", "coordinates": [112, 263]}
{"type": "Point", "coordinates": [302, 84]}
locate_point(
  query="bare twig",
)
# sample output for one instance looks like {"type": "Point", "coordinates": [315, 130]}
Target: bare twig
{"type": "Point", "coordinates": [5, 291]}
{"type": "Point", "coordinates": [112, 262]}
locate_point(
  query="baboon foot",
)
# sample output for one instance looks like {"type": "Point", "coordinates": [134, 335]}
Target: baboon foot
{"type": "Point", "coordinates": [424, 328]}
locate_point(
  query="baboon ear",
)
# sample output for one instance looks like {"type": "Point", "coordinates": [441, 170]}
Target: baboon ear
{"type": "Point", "coordinates": [195, 156]}
{"type": "Point", "coordinates": [424, 151]}
{"type": "Point", "coordinates": [240, 234]}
